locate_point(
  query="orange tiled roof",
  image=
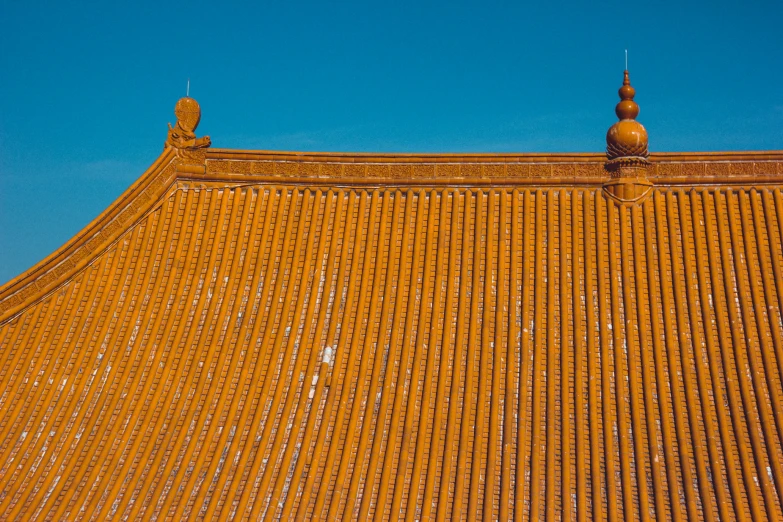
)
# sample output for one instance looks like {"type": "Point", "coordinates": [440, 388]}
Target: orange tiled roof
{"type": "Point", "coordinates": [283, 335]}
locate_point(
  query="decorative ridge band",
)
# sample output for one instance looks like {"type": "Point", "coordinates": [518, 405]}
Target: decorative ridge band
{"type": "Point", "coordinates": [594, 171]}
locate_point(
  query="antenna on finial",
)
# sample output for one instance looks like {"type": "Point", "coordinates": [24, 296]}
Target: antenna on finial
{"type": "Point", "coordinates": [187, 92]}
{"type": "Point", "coordinates": [626, 59]}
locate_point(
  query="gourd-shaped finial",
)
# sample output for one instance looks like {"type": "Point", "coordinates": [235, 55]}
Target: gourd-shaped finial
{"type": "Point", "coordinates": [627, 138]}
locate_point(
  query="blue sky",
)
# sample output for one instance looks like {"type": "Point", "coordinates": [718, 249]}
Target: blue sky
{"type": "Point", "coordinates": [86, 90]}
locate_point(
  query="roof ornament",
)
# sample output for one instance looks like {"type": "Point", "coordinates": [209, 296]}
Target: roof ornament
{"type": "Point", "coordinates": [627, 150]}
{"type": "Point", "coordinates": [182, 135]}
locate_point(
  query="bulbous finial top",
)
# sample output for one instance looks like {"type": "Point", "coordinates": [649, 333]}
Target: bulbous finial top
{"type": "Point", "coordinates": [188, 113]}
{"type": "Point", "coordinates": [627, 137]}
{"type": "Point", "coordinates": [183, 134]}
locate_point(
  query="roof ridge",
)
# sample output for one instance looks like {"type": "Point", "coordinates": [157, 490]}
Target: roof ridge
{"type": "Point", "coordinates": [456, 157]}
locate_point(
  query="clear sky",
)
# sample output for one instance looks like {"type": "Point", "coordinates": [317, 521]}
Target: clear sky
{"type": "Point", "coordinates": [86, 90]}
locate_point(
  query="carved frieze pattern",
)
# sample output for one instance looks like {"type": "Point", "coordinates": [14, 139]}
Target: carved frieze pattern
{"type": "Point", "coordinates": [447, 171]}
{"type": "Point", "coordinates": [592, 171]}
{"type": "Point", "coordinates": [352, 170]}
{"type": "Point", "coordinates": [327, 169]}
{"type": "Point", "coordinates": [493, 171]}
{"type": "Point", "coordinates": [380, 171]}
{"type": "Point", "coordinates": [692, 170]}
{"type": "Point", "coordinates": [543, 171]}
{"type": "Point", "coordinates": [723, 169]}
{"type": "Point", "coordinates": [716, 169]}
{"type": "Point", "coordinates": [516, 170]}
{"type": "Point", "coordinates": [470, 170]}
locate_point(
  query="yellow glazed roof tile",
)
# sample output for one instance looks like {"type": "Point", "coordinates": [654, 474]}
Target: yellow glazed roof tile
{"type": "Point", "coordinates": [258, 335]}
{"type": "Point", "coordinates": [301, 352]}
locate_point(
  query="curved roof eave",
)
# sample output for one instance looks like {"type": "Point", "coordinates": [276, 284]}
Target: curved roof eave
{"type": "Point", "coordinates": [48, 274]}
